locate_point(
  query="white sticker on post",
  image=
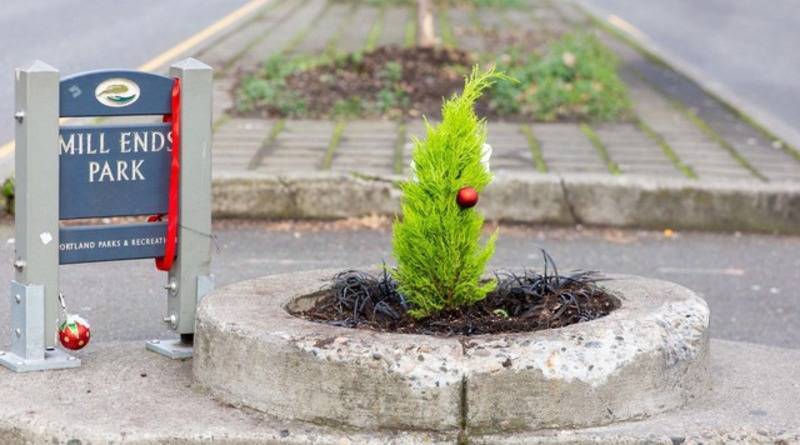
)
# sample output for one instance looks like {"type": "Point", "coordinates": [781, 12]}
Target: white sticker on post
{"type": "Point", "coordinates": [46, 237]}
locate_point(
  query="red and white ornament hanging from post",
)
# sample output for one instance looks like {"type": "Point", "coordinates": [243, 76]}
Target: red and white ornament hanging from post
{"type": "Point", "coordinates": [74, 332]}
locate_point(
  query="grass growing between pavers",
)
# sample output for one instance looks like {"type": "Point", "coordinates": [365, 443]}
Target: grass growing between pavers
{"type": "Point", "coordinates": [535, 148]}
{"type": "Point", "coordinates": [410, 36]}
{"type": "Point", "coordinates": [223, 119]}
{"type": "Point", "coordinates": [267, 144]}
{"type": "Point", "coordinates": [777, 142]}
{"type": "Point", "coordinates": [376, 30]}
{"type": "Point", "coordinates": [598, 144]}
{"type": "Point", "coordinates": [399, 148]}
{"type": "Point", "coordinates": [724, 144]}
{"type": "Point", "coordinates": [336, 139]}
{"type": "Point", "coordinates": [686, 169]}
{"type": "Point", "coordinates": [446, 28]}
{"type": "Point", "coordinates": [331, 45]}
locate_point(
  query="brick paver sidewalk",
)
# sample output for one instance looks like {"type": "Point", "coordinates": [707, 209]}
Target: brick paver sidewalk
{"type": "Point", "coordinates": [668, 138]}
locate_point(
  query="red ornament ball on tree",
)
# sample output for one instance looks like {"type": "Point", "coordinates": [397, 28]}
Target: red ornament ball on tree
{"type": "Point", "coordinates": [74, 333]}
{"type": "Point", "coordinates": [467, 197]}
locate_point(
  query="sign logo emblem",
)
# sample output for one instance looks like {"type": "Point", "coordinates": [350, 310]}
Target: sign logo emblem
{"type": "Point", "coordinates": [117, 92]}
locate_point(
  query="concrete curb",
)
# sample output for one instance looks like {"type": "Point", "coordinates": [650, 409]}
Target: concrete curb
{"type": "Point", "coordinates": [590, 199]}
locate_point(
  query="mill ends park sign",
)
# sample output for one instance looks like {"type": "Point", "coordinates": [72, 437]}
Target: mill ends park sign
{"type": "Point", "coordinates": [84, 172]}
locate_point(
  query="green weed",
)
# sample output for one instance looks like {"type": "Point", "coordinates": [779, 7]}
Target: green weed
{"type": "Point", "coordinates": [336, 139]}
{"type": "Point", "coordinates": [577, 78]}
{"type": "Point", "coordinates": [268, 87]}
{"type": "Point", "coordinates": [391, 99]}
{"type": "Point", "coordinates": [8, 191]}
{"type": "Point", "coordinates": [349, 108]}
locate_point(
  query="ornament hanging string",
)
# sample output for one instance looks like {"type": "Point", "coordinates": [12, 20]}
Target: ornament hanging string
{"type": "Point", "coordinates": [73, 332]}
{"type": "Point", "coordinates": [165, 263]}
{"type": "Point", "coordinates": [63, 306]}
{"type": "Point", "coordinates": [213, 237]}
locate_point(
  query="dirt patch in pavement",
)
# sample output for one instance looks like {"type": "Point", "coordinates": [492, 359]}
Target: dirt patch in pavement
{"type": "Point", "coordinates": [387, 81]}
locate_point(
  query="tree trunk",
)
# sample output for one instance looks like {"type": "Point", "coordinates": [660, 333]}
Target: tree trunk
{"type": "Point", "coordinates": [426, 32]}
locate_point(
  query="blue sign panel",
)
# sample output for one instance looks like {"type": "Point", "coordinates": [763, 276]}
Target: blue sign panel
{"type": "Point", "coordinates": [88, 244]}
{"type": "Point", "coordinates": [114, 170]}
{"type": "Point", "coordinates": [115, 93]}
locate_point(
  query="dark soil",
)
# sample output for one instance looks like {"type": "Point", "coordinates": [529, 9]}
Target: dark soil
{"type": "Point", "coordinates": [426, 76]}
{"type": "Point", "coordinates": [521, 303]}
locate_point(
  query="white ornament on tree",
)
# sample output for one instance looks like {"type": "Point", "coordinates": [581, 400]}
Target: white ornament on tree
{"type": "Point", "coordinates": [486, 154]}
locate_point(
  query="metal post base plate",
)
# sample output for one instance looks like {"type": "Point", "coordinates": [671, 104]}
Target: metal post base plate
{"type": "Point", "coordinates": [174, 349]}
{"type": "Point", "coordinates": [55, 359]}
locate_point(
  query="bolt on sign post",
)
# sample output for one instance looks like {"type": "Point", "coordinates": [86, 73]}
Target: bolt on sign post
{"type": "Point", "coordinates": [84, 172]}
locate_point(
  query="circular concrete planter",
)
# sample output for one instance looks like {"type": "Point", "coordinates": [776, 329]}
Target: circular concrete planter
{"type": "Point", "coordinates": [648, 356]}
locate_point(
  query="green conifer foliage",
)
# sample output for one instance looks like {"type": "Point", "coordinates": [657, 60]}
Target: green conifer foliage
{"type": "Point", "coordinates": [437, 243]}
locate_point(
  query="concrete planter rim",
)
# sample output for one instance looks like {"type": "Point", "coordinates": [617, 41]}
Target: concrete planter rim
{"type": "Point", "coordinates": [647, 356]}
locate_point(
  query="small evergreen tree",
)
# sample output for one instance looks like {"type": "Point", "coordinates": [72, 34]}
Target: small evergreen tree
{"type": "Point", "coordinates": [437, 242]}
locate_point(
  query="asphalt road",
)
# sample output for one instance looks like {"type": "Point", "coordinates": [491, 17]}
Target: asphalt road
{"type": "Point", "coordinates": [745, 50]}
{"type": "Point", "coordinates": [750, 281]}
{"type": "Point", "coordinates": [92, 34]}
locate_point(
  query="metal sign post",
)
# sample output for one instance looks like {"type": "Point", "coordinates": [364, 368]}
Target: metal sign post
{"type": "Point", "coordinates": [86, 172]}
{"type": "Point", "coordinates": [190, 279]}
{"type": "Point", "coordinates": [34, 291]}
